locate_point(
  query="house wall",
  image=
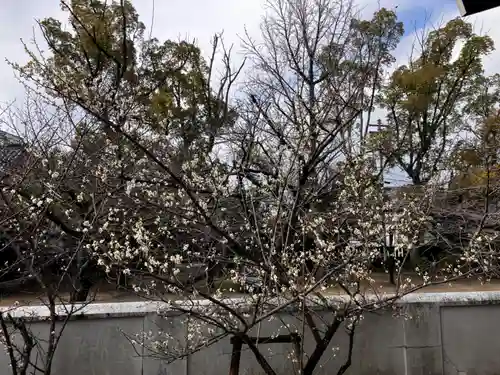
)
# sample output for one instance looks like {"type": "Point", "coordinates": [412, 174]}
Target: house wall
{"type": "Point", "coordinates": [433, 333]}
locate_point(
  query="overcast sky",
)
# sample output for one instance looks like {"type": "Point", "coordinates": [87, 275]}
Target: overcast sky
{"type": "Point", "coordinates": [200, 19]}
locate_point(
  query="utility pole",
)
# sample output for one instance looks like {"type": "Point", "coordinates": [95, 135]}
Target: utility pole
{"type": "Point", "coordinates": [388, 238]}
{"type": "Point", "coordinates": [379, 127]}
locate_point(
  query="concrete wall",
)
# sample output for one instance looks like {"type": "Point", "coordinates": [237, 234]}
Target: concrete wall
{"type": "Point", "coordinates": [440, 333]}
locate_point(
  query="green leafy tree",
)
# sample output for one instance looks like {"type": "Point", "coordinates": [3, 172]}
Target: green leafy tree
{"type": "Point", "coordinates": [105, 64]}
{"type": "Point", "coordinates": [425, 99]}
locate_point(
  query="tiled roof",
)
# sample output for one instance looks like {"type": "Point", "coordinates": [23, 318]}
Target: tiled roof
{"type": "Point", "coordinates": [11, 148]}
{"type": "Point", "coordinates": [9, 139]}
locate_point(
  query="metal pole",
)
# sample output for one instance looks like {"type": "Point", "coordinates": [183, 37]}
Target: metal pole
{"type": "Point", "coordinates": [379, 127]}
{"type": "Point", "coordinates": [380, 155]}
{"type": "Point", "coordinates": [234, 368]}
{"type": "Point", "coordinates": [388, 240]}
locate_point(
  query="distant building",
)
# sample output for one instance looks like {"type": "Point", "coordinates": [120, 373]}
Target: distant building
{"type": "Point", "coordinates": [12, 152]}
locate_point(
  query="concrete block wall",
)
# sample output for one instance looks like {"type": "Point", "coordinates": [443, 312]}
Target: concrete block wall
{"type": "Point", "coordinates": [439, 334]}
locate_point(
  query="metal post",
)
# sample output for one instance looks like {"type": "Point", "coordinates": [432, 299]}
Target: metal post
{"type": "Point", "coordinates": [379, 127]}
{"type": "Point", "coordinates": [389, 259]}
{"type": "Point", "coordinates": [234, 368]}
{"type": "Point", "coordinates": [380, 155]}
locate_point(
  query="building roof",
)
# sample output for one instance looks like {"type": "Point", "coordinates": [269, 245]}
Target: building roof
{"type": "Point", "coordinates": [9, 139]}
{"type": "Point", "coordinates": [469, 7]}
{"type": "Point", "coordinates": [11, 148]}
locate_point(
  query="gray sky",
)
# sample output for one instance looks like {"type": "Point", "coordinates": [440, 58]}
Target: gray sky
{"type": "Point", "coordinates": [175, 19]}
{"type": "Point", "coordinates": [200, 19]}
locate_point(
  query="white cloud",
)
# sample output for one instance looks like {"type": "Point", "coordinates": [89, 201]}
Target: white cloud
{"type": "Point", "coordinates": [194, 19]}
{"type": "Point", "coordinates": [199, 20]}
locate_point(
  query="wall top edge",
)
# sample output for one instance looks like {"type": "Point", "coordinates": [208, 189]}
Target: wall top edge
{"type": "Point", "coordinates": [142, 308]}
